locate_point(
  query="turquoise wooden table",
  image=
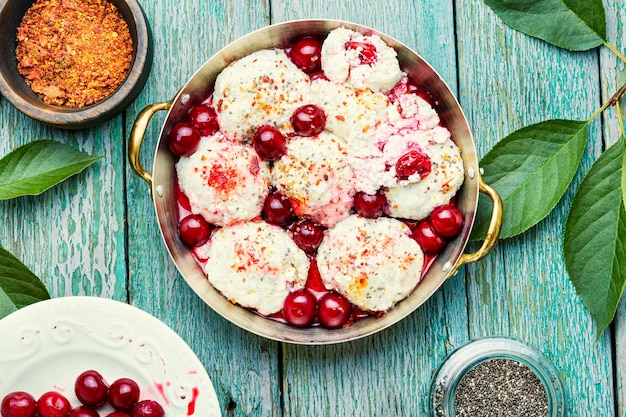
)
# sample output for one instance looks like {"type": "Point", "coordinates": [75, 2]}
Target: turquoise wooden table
{"type": "Point", "coordinates": [96, 234]}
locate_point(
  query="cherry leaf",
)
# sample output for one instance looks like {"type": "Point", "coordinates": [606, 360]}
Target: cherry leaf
{"type": "Point", "coordinates": [577, 25]}
{"type": "Point", "coordinates": [19, 287]}
{"type": "Point", "coordinates": [594, 241]}
{"type": "Point", "coordinates": [530, 169]}
{"type": "Point", "coordinates": [37, 166]}
{"type": "Point", "coordinates": [623, 141]}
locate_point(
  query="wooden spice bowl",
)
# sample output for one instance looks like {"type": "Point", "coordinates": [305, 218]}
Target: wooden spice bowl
{"type": "Point", "coordinates": [14, 88]}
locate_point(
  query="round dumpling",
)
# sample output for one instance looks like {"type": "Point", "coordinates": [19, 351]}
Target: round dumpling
{"type": "Point", "coordinates": [374, 263]}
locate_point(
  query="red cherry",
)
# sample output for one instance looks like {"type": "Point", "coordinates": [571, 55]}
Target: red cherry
{"type": "Point", "coordinates": [367, 51]}
{"type": "Point", "coordinates": [308, 120]}
{"type": "Point", "coordinates": [277, 209]}
{"type": "Point", "coordinates": [413, 162]}
{"type": "Point", "coordinates": [205, 119]}
{"type": "Point", "coordinates": [447, 220]}
{"type": "Point", "coordinates": [91, 389]}
{"type": "Point", "coordinates": [183, 139]}
{"type": "Point", "coordinates": [371, 206]}
{"type": "Point", "coordinates": [194, 230]}
{"type": "Point", "coordinates": [118, 414]}
{"type": "Point", "coordinates": [83, 411]}
{"type": "Point", "coordinates": [306, 54]}
{"type": "Point", "coordinates": [53, 404]}
{"type": "Point", "coordinates": [307, 234]}
{"type": "Point", "coordinates": [427, 238]}
{"type": "Point", "coordinates": [123, 394]}
{"type": "Point", "coordinates": [18, 404]}
{"type": "Point", "coordinates": [299, 308]}
{"type": "Point", "coordinates": [269, 143]}
{"type": "Point", "coordinates": [333, 310]}
{"type": "Point", "coordinates": [147, 408]}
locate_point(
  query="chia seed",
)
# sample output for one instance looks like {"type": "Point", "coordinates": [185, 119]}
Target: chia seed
{"type": "Point", "coordinates": [500, 388]}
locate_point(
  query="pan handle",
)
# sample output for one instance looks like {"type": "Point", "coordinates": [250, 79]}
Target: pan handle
{"type": "Point", "coordinates": [137, 134]}
{"type": "Point", "coordinates": [493, 232]}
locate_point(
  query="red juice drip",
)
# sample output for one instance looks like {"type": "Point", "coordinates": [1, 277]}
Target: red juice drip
{"type": "Point", "coordinates": [191, 407]}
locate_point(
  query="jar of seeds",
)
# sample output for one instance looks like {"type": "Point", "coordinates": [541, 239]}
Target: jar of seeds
{"type": "Point", "coordinates": [497, 377]}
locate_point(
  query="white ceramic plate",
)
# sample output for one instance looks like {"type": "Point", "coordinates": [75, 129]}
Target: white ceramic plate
{"type": "Point", "coordinates": [45, 346]}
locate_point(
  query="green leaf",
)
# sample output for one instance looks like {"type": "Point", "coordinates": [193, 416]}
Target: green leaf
{"type": "Point", "coordinates": [623, 141]}
{"type": "Point", "coordinates": [19, 287]}
{"type": "Point", "coordinates": [577, 25]}
{"type": "Point", "coordinates": [594, 242]}
{"type": "Point", "coordinates": [35, 167]}
{"type": "Point", "coordinates": [530, 169]}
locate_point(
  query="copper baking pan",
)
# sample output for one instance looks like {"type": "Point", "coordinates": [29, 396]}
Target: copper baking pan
{"type": "Point", "coordinates": [200, 85]}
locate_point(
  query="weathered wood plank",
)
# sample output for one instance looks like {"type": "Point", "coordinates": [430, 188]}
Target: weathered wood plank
{"type": "Point", "coordinates": [508, 80]}
{"type": "Point", "coordinates": [243, 367]}
{"type": "Point", "coordinates": [71, 236]}
{"type": "Point", "coordinates": [387, 374]}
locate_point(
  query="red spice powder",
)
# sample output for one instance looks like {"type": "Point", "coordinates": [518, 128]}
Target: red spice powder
{"type": "Point", "coordinates": [73, 53]}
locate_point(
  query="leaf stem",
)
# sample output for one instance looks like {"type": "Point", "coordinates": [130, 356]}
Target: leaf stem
{"type": "Point", "coordinates": [615, 51]}
{"type": "Point", "coordinates": [613, 101]}
{"type": "Point", "coordinates": [620, 120]}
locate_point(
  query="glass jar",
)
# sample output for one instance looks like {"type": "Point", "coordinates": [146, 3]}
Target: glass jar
{"type": "Point", "coordinates": [446, 379]}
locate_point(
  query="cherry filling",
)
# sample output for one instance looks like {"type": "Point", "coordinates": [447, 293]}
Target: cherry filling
{"type": "Point", "coordinates": [413, 162]}
{"type": "Point", "coordinates": [367, 51]}
{"type": "Point", "coordinates": [315, 304]}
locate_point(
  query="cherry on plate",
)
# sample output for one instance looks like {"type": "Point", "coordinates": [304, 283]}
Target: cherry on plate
{"type": "Point", "coordinates": [277, 209]}
{"type": "Point", "coordinates": [308, 120]}
{"type": "Point", "coordinates": [371, 206]}
{"type": "Point", "coordinates": [269, 143]}
{"type": "Point", "coordinates": [123, 394]}
{"type": "Point", "coordinates": [83, 411]}
{"type": "Point", "coordinates": [306, 54]}
{"type": "Point", "coordinates": [307, 234]}
{"type": "Point", "coordinates": [204, 118]}
{"type": "Point", "coordinates": [447, 220]}
{"type": "Point", "coordinates": [53, 404]}
{"type": "Point", "coordinates": [428, 239]}
{"type": "Point", "coordinates": [91, 389]}
{"type": "Point", "coordinates": [299, 309]}
{"type": "Point", "coordinates": [147, 408]}
{"type": "Point", "coordinates": [333, 310]}
{"type": "Point", "coordinates": [194, 230]}
{"type": "Point", "coordinates": [413, 162]}
{"type": "Point", "coordinates": [183, 139]}
{"type": "Point", "coordinates": [18, 404]}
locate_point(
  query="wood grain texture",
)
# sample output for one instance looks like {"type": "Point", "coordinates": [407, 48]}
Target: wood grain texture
{"type": "Point", "coordinates": [508, 80]}
{"type": "Point", "coordinates": [71, 236]}
{"type": "Point", "coordinates": [243, 367]}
